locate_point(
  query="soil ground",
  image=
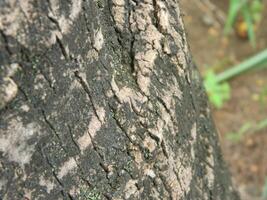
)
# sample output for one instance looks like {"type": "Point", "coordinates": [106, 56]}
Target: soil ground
{"type": "Point", "coordinates": [246, 158]}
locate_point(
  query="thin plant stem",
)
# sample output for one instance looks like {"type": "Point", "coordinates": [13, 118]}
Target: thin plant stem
{"type": "Point", "coordinates": [242, 67]}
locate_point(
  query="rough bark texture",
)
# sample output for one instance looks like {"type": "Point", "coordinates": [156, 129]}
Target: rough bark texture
{"type": "Point", "coordinates": [100, 100]}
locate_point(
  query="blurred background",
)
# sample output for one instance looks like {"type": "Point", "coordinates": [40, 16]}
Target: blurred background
{"type": "Point", "coordinates": [228, 40]}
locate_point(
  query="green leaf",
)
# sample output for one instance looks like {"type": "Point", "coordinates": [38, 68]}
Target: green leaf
{"type": "Point", "coordinates": [218, 92]}
{"type": "Point", "coordinates": [234, 7]}
{"type": "Point", "coordinates": [249, 21]}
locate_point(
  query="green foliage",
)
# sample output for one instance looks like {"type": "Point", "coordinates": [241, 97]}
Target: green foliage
{"type": "Point", "coordinates": [249, 21]}
{"type": "Point", "coordinates": [246, 128]}
{"type": "Point", "coordinates": [250, 11]}
{"type": "Point", "coordinates": [218, 92]}
{"type": "Point", "coordinates": [216, 86]}
{"type": "Point", "coordinates": [234, 8]}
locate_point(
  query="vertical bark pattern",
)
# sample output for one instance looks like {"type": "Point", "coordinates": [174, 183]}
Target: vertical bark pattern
{"type": "Point", "coordinates": [101, 100]}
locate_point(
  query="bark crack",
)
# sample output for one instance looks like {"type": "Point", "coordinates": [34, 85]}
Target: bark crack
{"type": "Point", "coordinates": [119, 125]}
{"type": "Point", "coordinates": [50, 125]}
{"type": "Point", "coordinates": [53, 171]}
{"type": "Point", "coordinates": [62, 48]}
{"type": "Point", "coordinates": [5, 42]}
{"type": "Point", "coordinates": [23, 93]}
{"type": "Point", "coordinates": [88, 92]}
{"type": "Point", "coordinates": [73, 140]}
{"type": "Point", "coordinates": [48, 81]}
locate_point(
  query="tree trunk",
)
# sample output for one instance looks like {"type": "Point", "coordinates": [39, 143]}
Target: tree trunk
{"type": "Point", "coordinates": [100, 100]}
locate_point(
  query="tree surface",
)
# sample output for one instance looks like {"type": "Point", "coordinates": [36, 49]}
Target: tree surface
{"type": "Point", "coordinates": [99, 100]}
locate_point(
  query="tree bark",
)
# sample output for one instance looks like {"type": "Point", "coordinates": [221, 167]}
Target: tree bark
{"type": "Point", "coordinates": [100, 99]}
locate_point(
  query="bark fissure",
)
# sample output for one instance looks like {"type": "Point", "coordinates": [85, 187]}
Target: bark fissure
{"type": "Point", "coordinates": [62, 48]}
{"type": "Point", "coordinates": [50, 125]}
{"type": "Point", "coordinates": [88, 92]}
{"type": "Point", "coordinates": [52, 168]}
{"type": "Point", "coordinates": [72, 139]}
{"type": "Point", "coordinates": [5, 42]}
{"type": "Point", "coordinates": [48, 81]}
